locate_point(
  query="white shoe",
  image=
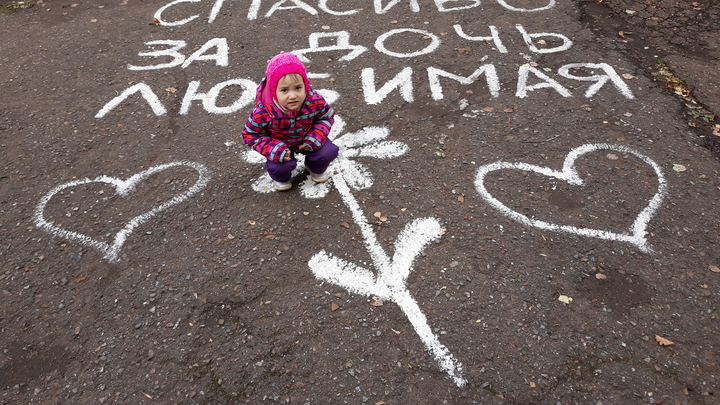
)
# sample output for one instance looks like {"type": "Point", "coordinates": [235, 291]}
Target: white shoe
{"type": "Point", "coordinates": [282, 185]}
{"type": "Point", "coordinates": [319, 177]}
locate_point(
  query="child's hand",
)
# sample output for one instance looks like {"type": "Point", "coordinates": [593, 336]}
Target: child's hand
{"type": "Point", "coordinates": [305, 148]}
{"type": "Point", "coordinates": [286, 158]}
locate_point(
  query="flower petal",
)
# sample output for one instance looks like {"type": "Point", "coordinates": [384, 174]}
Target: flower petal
{"type": "Point", "coordinates": [252, 157]}
{"type": "Point", "coordinates": [356, 175]}
{"type": "Point", "coordinates": [264, 184]}
{"type": "Point", "coordinates": [365, 136]}
{"type": "Point", "coordinates": [337, 127]}
{"type": "Point", "coordinates": [381, 150]}
{"type": "Point", "coordinates": [310, 189]}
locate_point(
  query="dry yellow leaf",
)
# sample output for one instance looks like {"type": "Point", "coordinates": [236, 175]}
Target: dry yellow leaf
{"type": "Point", "coordinates": [376, 303]}
{"type": "Point", "coordinates": [679, 168]}
{"type": "Point", "coordinates": [714, 269]}
{"type": "Point", "coordinates": [663, 342]}
{"type": "Point", "coordinates": [565, 299]}
{"type": "Point", "coordinates": [334, 307]}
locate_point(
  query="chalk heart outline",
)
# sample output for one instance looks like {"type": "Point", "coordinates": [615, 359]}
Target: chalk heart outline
{"type": "Point", "coordinates": [122, 188]}
{"type": "Point", "coordinates": [637, 230]}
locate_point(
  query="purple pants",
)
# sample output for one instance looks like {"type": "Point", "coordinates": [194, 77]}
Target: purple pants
{"type": "Point", "coordinates": [317, 161]}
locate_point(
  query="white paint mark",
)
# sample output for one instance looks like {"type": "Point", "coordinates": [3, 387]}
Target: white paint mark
{"type": "Point", "coordinates": [253, 10]}
{"type": "Point", "coordinates": [297, 4]}
{"type": "Point", "coordinates": [178, 59]}
{"type": "Point", "coordinates": [636, 236]}
{"type": "Point", "coordinates": [145, 91]}
{"type": "Point", "coordinates": [122, 188]}
{"type": "Point", "coordinates": [440, 4]}
{"type": "Point", "coordinates": [209, 99]}
{"type": "Point", "coordinates": [379, 9]}
{"type": "Point", "coordinates": [528, 38]}
{"type": "Point", "coordinates": [341, 43]}
{"type": "Point", "coordinates": [402, 80]}
{"type": "Point", "coordinates": [523, 88]}
{"type": "Point", "coordinates": [158, 14]}
{"type": "Point", "coordinates": [494, 36]}
{"type": "Point", "coordinates": [172, 51]}
{"type": "Point", "coordinates": [431, 47]}
{"type": "Point", "coordinates": [488, 70]}
{"type": "Point", "coordinates": [550, 4]}
{"type": "Point", "coordinates": [600, 80]}
{"type": "Point", "coordinates": [390, 282]}
{"type": "Point", "coordinates": [322, 5]}
{"type": "Point", "coordinates": [220, 56]}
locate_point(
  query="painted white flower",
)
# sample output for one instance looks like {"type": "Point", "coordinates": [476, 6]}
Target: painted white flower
{"type": "Point", "coordinates": [368, 142]}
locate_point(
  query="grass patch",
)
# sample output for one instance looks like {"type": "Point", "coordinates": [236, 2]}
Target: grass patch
{"type": "Point", "coordinates": [14, 6]}
{"type": "Point", "coordinates": [699, 115]}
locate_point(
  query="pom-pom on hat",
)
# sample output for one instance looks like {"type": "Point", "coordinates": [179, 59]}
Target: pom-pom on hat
{"type": "Point", "coordinates": [279, 66]}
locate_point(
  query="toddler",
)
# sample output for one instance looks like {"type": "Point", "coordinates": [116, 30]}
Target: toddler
{"type": "Point", "coordinates": [290, 118]}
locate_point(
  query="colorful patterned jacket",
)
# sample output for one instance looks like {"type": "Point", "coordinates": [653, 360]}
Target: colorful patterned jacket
{"type": "Point", "coordinates": [273, 134]}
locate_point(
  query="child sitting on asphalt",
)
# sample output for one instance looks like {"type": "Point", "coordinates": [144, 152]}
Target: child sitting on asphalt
{"type": "Point", "coordinates": [290, 118]}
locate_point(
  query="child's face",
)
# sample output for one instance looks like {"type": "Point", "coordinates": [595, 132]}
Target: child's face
{"type": "Point", "coordinates": [290, 91]}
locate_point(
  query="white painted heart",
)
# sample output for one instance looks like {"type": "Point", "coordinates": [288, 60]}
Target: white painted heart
{"type": "Point", "coordinates": [636, 234]}
{"type": "Point", "coordinates": [122, 188]}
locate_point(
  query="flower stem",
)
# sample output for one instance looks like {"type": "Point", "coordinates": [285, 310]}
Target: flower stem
{"type": "Point", "coordinates": [388, 280]}
{"type": "Point", "coordinates": [377, 253]}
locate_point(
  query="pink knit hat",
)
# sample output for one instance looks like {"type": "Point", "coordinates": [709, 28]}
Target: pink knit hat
{"type": "Point", "coordinates": [279, 66]}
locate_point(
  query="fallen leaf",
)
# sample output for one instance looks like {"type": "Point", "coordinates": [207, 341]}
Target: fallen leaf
{"type": "Point", "coordinates": [80, 279]}
{"type": "Point", "coordinates": [600, 276]}
{"type": "Point", "coordinates": [156, 21]}
{"type": "Point", "coordinates": [171, 89]}
{"type": "Point", "coordinates": [378, 214]}
{"type": "Point", "coordinates": [326, 27]}
{"type": "Point", "coordinates": [663, 342]}
{"type": "Point", "coordinates": [627, 76]}
{"type": "Point", "coordinates": [461, 199]}
{"type": "Point", "coordinates": [380, 403]}
{"type": "Point", "coordinates": [565, 299]}
{"type": "Point", "coordinates": [488, 109]}
{"type": "Point", "coordinates": [532, 384]}
{"type": "Point", "coordinates": [376, 303]}
{"type": "Point", "coordinates": [679, 168]}
{"type": "Point", "coordinates": [714, 269]}
{"type": "Point", "coordinates": [464, 51]}
{"type": "Point", "coordinates": [334, 307]}
{"type": "Point", "coordinates": [716, 131]}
